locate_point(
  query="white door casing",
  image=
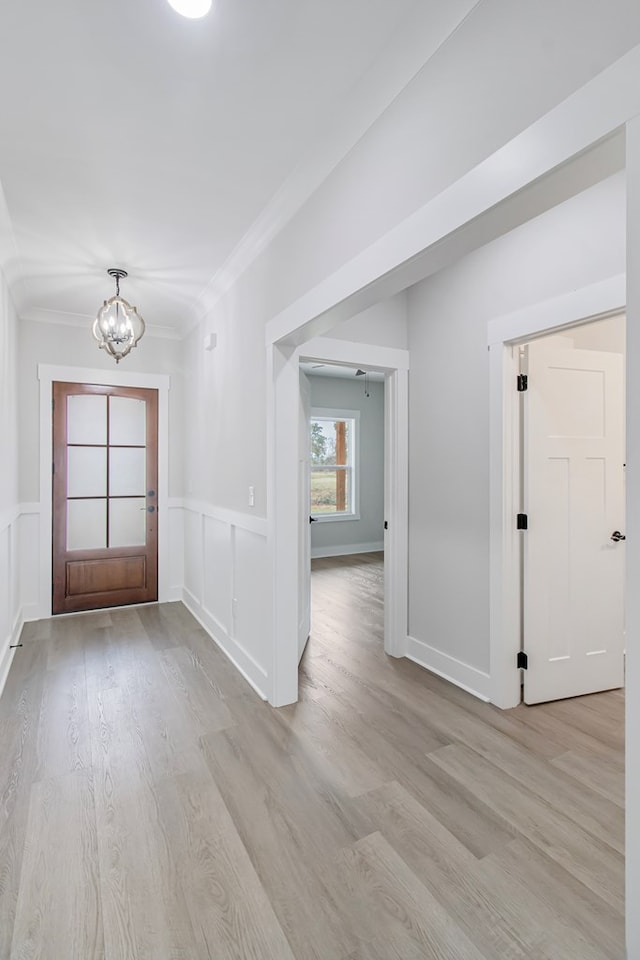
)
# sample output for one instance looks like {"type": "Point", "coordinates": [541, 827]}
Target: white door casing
{"type": "Point", "coordinates": [304, 547]}
{"type": "Point", "coordinates": [574, 496]}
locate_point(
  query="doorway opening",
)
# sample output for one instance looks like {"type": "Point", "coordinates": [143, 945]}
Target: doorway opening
{"type": "Point", "coordinates": [289, 497]}
{"type": "Point", "coordinates": [342, 466]}
{"type": "Point", "coordinates": [570, 460]}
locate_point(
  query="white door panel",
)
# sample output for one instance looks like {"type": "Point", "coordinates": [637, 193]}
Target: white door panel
{"type": "Point", "coordinates": [304, 534]}
{"type": "Point", "coordinates": [574, 492]}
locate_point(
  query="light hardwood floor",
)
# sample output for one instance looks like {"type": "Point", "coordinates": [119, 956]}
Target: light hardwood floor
{"type": "Point", "coordinates": [153, 808]}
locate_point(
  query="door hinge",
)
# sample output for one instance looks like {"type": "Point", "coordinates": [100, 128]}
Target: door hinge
{"type": "Point", "coordinates": [522, 521]}
{"type": "Point", "coordinates": [386, 524]}
{"type": "Point", "coordinates": [522, 661]}
{"type": "Point", "coordinates": [523, 382]}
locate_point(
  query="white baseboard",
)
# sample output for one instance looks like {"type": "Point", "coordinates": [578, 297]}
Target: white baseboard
{"type": "Point", "coordinates": [346, 550]}
{"type": "Point", "coordinates": [253, 673]}
{"type": "Point", "coordinates": [463, 675]}
{"type": "Point", "coordinates": [6, 653]}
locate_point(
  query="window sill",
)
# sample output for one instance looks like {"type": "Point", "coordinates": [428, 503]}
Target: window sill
{"type": "Point", "coordinates": [334, 517]}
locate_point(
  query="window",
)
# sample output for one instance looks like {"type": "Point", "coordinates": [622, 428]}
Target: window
{"type": "Point", "coordinates": [333, 464]}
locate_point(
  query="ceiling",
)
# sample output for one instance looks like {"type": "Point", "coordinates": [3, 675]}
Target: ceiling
{"type": "Point", "coordinates": [133, 137]}
{"type": "Point", "coordinates": [314, 368]}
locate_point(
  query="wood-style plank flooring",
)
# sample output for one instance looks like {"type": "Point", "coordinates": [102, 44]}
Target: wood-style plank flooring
{"type": "Point", "coordinates": [152, 807]}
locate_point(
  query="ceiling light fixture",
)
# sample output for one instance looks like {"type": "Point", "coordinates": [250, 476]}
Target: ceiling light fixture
{"type": "Point", "coordinates": [118, 326]}
{"type": "Point", "coordinates": [192, 9]}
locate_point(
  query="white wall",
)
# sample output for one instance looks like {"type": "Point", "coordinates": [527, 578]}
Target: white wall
{"type": "Point", "coordinates": [572, 246]}
{"type": "Point", "coordinates": [332, 538]}
{"type": "Point", "coordinates": [227, 570]}
{"type": "Point", "coordinates": [385, 324]}
{"type": "Point", "coordinates": [10, 606]}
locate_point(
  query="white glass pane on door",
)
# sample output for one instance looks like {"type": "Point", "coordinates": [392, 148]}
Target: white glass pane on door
{"type": "Point", "coordinates": [127, 471]}
{"type": "Point", "coordinates": [86, 419]}
{"type": "Point", "coordinates": [127, 421]}
{"type": "Point", "coordinates": [86, 471]}
{"type": "Point", "coordinates": [127, 522]}
{"type": "Point", "coordinates": [86, 524]}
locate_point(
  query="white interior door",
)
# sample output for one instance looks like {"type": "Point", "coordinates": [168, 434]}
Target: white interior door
{"type": "Point", "coordinates": [574, 493]}
{"type": "Point", "coordinates": [304, 526]}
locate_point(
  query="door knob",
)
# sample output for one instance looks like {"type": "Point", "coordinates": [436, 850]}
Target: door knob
{"type": "Point", "coordinates": [616, 536]}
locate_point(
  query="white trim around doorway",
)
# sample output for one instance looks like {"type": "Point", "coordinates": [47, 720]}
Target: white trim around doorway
{"type": "Point", "coordinates": [282, 467]}
{"type": "Point", "coordinates": [590, 303]}
{"type": "Point", "coordinates": [47, 374]}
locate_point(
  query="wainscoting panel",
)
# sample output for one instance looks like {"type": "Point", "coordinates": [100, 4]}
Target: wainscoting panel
{"type": "Point", "coordinates": [10, 613]}
{"type": "Point", "coordinates": [227, 585]}
{"type": "Point", "coordinates": [218, 569]}
{"type": "Point", "coordinates": [252, 594]}
{"type": "Point", "coordinates": [28, 567]}
{"type": "Point", "coordinates": [176, 550]}
{"type": "Point", "coordinates": [6, 607]}
{"type": "Point", "coordinates": [193, 554]}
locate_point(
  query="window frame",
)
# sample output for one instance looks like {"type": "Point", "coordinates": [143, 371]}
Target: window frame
{"type": "Point", "coordinates": [353, 416]}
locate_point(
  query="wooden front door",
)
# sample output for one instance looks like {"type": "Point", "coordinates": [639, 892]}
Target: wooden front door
{"type": "Point", "coordinates": [105, 496]}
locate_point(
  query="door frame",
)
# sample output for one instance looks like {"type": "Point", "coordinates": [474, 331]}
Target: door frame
{"type": "Point", "coordinates": [47, 374]}
{"type": "Point", "coordinates": [595, 302]}
{"type": "Point", "coordinates": [283, 512]}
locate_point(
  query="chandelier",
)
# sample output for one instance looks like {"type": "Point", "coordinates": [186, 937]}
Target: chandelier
{"type": "Point", "coordinates": [118, 326]}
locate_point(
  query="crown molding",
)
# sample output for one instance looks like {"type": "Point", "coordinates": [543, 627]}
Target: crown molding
{"type": "Point", "coordinates": [60, 318]}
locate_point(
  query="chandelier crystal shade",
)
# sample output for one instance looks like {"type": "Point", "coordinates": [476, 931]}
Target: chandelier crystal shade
{"type": "Point", "coordinates": [118, 326]}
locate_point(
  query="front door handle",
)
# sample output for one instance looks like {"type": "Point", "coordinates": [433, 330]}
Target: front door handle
{"type": "Point", "coordinates": [616, 536]}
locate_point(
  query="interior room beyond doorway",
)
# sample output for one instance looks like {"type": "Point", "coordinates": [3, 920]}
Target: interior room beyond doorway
{"type": "Point", "coordinates": [342, 466]}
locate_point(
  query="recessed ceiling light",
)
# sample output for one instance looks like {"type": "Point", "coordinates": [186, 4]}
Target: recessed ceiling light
{"type": "Point", "coordinates": [193, 9]}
